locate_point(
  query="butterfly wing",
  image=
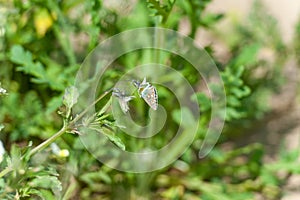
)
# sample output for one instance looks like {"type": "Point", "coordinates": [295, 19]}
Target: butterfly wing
{"type": "Point", "coordinates": [124, 105]}
{"type": "Point", "coordinates": [123, 99]}
{"type": "Point", "coordinates": [149, 94]}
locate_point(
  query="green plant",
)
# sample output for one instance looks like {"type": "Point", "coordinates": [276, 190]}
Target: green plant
{"type": "Point", "coordinates": [41, 50]}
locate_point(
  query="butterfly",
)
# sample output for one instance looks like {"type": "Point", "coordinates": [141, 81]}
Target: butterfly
{"type": "Point", "coordinates": [148, 92]}
{"type": "Point", "coordinates": [123, 99]}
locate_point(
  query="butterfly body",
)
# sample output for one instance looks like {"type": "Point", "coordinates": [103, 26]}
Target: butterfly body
{"type": "Point", "coordinates": [148, 92]}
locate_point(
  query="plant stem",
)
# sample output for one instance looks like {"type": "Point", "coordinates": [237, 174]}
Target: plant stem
{"type": "Point", "coordinates": [65, 127]}
{"type": "Point", "coordinates": [57, 134]}
{"type": "Point", "coordinates": [48, 141]}
{"type": "Point", "coordinates": [90, 106]}
{"type": "Point", "coordinates": [5, 171]}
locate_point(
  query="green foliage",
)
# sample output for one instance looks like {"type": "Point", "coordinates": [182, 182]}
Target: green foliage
{"type": "Point", "coordinates": [17, 108]}
{"type": "Point", "coordinates": [198, 17]}
{"type": "Point", "coordinates": [161, 10]}
{"type": "Point", "coordinates": [42, 48]}
{"type": "Point", "coordinates": [236, 91]}
{"type": "Point", "coordinates": [28, 180]}
{"type": "Point", "coordinates": [52, 77]}
{"type": "Point", "coordinates": [287, 162]}
{"type": "Point", "coordinates": [70, 98]}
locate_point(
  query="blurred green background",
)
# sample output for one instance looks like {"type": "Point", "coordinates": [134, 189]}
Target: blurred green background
{"type": "Point", "coordinates": [43, 44]}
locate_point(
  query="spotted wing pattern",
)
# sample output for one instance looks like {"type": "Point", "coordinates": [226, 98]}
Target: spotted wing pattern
{"type": "Point", "coordinates": [149, 94]}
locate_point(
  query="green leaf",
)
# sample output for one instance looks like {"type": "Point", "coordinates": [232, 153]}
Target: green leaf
{"type": "Point", "coordinates": [70, 97]}
{"type": "Point", "coordinates": [15, 154]}
{"type": "Point", "coordinates": [2, 183]}
{"type": "Point", "coordinates": [241, 92]}
{"type": "Point", "coordinates": [44, 194]}
{"type": "Point", "coordinates": [232, 113]}
{"type": "Point", "coordinates": [113, 138]}
{"type": "Point", "coordinates": [24, 58]}
{"type": "Point", "coordinates": [233, 101]}
{"type": "Point", "coordinates": [53, 104]}
{"type": "Point", "coordinates": [268, 177]}
{"type": "Point", "coordinates": [248, 55]}
{"type": "Point", "coordinates": [117, 141]}
{"type": "Point", "coordinates": [19, 56]}
{"type": "Point", "coordinates": [92, 177]}
{"type": "Point", "coordinates": [204, 102]}
{"type": "Point", "coordinates": [47, 182]}
{"type": "Point", "coordinates": [161, 10]}
{"type": "Point", "coordinates": [54, 75]}
{"type": "Point", "coordinates": [240, 70]}
{"type": "Point", "coordinates": [104, 108]}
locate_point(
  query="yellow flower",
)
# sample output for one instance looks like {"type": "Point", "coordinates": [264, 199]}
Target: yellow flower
{"type": "Point", "coordinates": [42, 22]}
{"type": "Point", "coordinates": [64, 153]}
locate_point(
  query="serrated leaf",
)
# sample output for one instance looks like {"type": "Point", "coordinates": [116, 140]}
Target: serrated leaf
{"type": "Point", "coordinates": [24, 58]}
{"type": "Point", "coordinates": [19, 56]}
{"type": "Point", "coordinates": [159, 9]}
{"type": "Point", "coordinates": [36, 70]}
